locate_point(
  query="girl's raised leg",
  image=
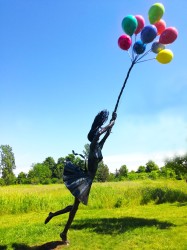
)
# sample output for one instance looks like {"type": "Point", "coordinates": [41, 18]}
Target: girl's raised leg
{"type": "Point", "coordinates": [63, 211]}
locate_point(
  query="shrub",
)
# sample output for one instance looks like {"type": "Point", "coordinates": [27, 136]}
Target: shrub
{"type": "Point", "coordinates": [2, 182]}
{"type": "Point", "coordinates": [161, 195]}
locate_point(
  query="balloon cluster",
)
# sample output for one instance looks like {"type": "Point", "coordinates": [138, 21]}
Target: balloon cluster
{"type": "Point", "coordinates": [134, 25]}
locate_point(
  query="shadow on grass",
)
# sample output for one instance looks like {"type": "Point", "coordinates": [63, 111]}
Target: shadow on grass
{"type": "Point", "coordinates": [118, 225]}
{"type": "Point", "coordinates": [53, 245]}
{"type": "Point", "coordinates": [100, 226]}
{"type": "Point", "coordinates": [3, 247]}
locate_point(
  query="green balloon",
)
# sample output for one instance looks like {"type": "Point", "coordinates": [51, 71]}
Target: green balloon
{"type": "Point", "coordinates": [156, 12]}
{"type": "Point", "coordinates": [129, 24]}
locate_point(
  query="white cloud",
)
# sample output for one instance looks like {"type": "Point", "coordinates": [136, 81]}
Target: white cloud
{"type": "Point", "coordinates": [134, 160]}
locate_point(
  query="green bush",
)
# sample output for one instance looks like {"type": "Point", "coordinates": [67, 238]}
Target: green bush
{"type": "Point", "coordinates": [162, 195]}
{"type": "Point", "coordinates": [2, 182]}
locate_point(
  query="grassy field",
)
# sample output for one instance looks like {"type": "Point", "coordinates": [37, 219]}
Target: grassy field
{"type": "Point", "coordinates": [122, 215]}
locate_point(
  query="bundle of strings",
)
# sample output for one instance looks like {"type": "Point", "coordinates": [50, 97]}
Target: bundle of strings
{"type": "Point", "coordinates": [99, 120]}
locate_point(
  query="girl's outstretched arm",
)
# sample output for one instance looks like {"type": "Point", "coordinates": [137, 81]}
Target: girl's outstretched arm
{"type": "Point", "coordinates": [107, 129]}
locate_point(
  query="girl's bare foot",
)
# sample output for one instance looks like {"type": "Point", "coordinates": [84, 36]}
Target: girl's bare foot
{"type": "Point", "coordinates": [64, 239]}
{"type": "Point", "coordinates": [50, 216]}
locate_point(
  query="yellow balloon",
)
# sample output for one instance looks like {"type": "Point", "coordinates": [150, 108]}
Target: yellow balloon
{"type": "Point", "coordinates": [164, 56]}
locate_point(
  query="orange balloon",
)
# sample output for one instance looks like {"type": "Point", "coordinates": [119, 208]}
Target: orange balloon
{"type": "Point", "coordinates": [161, 26]}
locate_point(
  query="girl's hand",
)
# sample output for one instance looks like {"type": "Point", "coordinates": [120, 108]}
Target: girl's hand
{"type": "Point", "coordinates": [114, 116]}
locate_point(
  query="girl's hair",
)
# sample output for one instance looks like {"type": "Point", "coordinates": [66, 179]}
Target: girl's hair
{"type": "Point", "coordinates": [99, 120]}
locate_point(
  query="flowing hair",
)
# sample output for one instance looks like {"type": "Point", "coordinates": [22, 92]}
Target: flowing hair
{"type": "Point", "coordinates": [99, 120]}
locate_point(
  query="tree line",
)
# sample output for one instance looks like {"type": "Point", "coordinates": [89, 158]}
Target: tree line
{"type": "Point", "coordinates": [49, 171]}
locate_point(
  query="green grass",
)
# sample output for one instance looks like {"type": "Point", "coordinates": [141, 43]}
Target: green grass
{"type": "Point", "coordinates": [125, 215]}
{"type": "Point", "coordinates": [34, 198]}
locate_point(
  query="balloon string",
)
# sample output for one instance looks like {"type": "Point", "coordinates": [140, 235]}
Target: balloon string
{"type": "Point", "coordinates": [134, 60]}
{"type": "Point", "coordinates": [146, 53]}
{"type": "Point", "coordinates": [145, 60]}
{"type": "Point", "coordinates": [132, 52]}
{"type": "Point", "coordinates": [127, 76]}
{"type": "Point", "coordinates": [130, 56]}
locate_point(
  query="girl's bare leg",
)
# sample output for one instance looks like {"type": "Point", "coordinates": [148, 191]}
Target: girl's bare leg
{"type": "Point", "coordinates": [63, 211]}
{"type": "Point", "coordinates": [72, 213]}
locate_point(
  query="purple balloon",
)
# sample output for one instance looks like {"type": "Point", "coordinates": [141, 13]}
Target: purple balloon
{"type": "Point", "coordinates": [148, 33]}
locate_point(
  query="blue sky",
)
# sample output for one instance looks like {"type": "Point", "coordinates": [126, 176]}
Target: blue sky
{"type": "Point", "coordinates": [60, 65]}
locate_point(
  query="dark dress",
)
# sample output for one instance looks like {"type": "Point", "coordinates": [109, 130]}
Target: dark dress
{"type": "Point", "coordinates": [79, 181]}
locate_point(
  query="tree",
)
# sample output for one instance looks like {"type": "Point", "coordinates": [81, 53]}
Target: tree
{"type": "Point", "coordinates": [179, 165]}
{"type": "Point", "coordinates": [59, 168]}
{"type": "Point", "coordinates": [116, 173]}
{"type": "Point", "coordinates": [123, 171]}
{"type": "Point", "coordinates": [111, 177]}
{"type": "Point", "coordinates": [132, 175]}
{"type": "Point", "coordinates": [86, 150]}
{"type": "Point", "coordinates": [50, 162]}
{"type": "Point", "coordinates": [7, 164]}
{"type": "Point", "coordinates": [168, 173]}
{"type": "Point", "coordinates": [151, 166]}
{"type": "Point", "coordinates": [40, 173]}
{"type": "Point", "coordinates": [153, 175]}
{"type": "Point", "coordinates": [141, 169]}
{"type": "Point", "coordinates": [75, 160]}
{"type": "Point", "coordinates": [22, 178]}
{"type": "Point", "coordinates": [102, 174]}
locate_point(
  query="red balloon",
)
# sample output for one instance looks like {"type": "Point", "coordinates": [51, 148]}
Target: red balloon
{"type": "Point", "coordinates": [124, 42]}
{"type": "Point", "coordinates": [141, 23]}
{"type": "Point", "coordinates": [169, 35]}
{"type": "Point", "coordinates": [161, 26]}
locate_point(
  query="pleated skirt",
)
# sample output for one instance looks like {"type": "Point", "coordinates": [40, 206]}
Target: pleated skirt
{"type": "Point", "coordinates": [77, 181]}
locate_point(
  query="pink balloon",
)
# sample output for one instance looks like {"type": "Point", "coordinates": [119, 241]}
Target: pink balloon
{"type": "Point", "coordinates": [141, 23]}
{"type": "Point", "coordinates": [161, 26]}
{"type": "Point", "coordinates": [169, 35]}
{"type": "Point", "coordinates": [124, 42]}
